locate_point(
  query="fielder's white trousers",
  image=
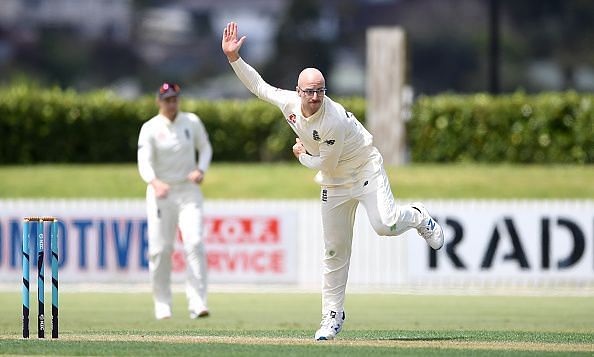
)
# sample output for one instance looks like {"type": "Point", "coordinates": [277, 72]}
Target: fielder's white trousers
{"type": "Point", "coordinates": [181, 208]}
{"type": "Point", "coordinates": [339, 205]}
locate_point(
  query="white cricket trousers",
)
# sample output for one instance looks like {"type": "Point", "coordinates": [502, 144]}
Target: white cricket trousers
{"type": "Point", "coordinates": [339, 205]}
{"type": "Point", "coordinates": [181, 208]}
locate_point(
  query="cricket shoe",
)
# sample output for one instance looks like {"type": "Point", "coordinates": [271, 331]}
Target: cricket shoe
{"type": "Point", "coordinates": [330, 326]}
{"type": "Point", "coordinates": [429, 229]}
{"type": "Point", "coordinates": [196, 314]}
{"type": "Point", "coordinates": [162, 311]}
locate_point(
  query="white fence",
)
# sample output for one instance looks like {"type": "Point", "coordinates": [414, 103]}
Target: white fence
{"type": "Point", "coordinates": [494, 243]}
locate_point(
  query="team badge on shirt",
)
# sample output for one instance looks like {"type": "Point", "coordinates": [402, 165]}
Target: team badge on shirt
{"type": "Point", "coordinates": [292, 119]}
{"type": "Point", "coordinates": [316, 136]}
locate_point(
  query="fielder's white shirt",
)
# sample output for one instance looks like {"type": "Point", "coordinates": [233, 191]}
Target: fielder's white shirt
{"type": "Point", "coordinates": [167, 149]}
{"type": "Point", "coordinates": [337, 144]}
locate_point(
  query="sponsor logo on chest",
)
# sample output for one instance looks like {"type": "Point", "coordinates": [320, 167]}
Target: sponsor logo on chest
{"type": "Point", "coordinates": [316, 135]}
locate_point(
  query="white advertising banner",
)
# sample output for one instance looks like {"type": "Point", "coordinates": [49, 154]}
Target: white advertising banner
{"type": "Point", "coordinates": [488, 243]}
{"type": "Point", "coordinates": [508, 242]}
{"type": "Point", "coordinates": [106, 242]}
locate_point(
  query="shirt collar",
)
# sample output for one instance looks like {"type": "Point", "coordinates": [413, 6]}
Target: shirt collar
{"type": "Point", "coordinates": [315, 115]}
{"type": "Point", "coordinates": [166, 120]}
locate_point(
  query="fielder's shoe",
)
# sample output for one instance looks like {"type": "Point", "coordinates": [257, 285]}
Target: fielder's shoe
{"type": "Point", "coordinates": [330, 326]}
{"type": "Point", "coordinates": [429, 229]}
{"type": "Point", "coordinates": [196, 314]}
{"type": "Point", "coordinates": [162, 311]}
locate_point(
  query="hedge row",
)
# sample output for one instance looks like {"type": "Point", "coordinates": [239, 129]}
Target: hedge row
{"type": "Point", "coordinates": [40, 125]}
{"type": "Point", "coordinates": [53, 125]}
{"type": "Point", "coordinates": [545, 128]}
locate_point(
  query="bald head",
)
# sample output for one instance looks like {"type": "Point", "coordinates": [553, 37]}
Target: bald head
{"type": "Point", "coordinates": [311, 87]}
{"type": "Point", "coordinates": [311, 78]}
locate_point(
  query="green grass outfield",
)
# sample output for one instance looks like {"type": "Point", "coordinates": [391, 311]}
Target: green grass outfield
{"type": "Point", "coordinates": [283, 325]}
{"type": "Point", "coordinates": [293, 181]}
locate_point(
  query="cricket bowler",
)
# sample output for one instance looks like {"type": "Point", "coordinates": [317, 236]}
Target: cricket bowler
{"type": "Point", "coordinates": [350, 171]}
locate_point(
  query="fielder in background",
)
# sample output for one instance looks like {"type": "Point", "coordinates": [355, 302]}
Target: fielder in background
{"type": "Point", "coordinates": [331, 140]}
{"type": "Point", "coordinates": [167, 147]}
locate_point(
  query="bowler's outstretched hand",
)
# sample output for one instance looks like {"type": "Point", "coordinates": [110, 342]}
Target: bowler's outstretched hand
{"type": "Point", "coordinates": [230, 43]}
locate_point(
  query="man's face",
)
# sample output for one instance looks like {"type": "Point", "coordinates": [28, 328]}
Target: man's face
{"type": "Point", "coordinates": [312, 97]}
{"type": "Point", "coordinates": [169, 106]}
{"type": "Point", "coordinates": [311, 87]}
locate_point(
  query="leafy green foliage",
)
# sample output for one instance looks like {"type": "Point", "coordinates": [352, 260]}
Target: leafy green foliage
{"type": "Point", "coordinates": [54, 125]}
{"type": "Point", "coordinates": [545, 128]}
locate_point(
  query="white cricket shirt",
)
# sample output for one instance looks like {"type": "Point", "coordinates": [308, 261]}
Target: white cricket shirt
{"type": "Point", "coordinates": [337, 144]}
{"type": "Point", "coordinates": [167, 149]}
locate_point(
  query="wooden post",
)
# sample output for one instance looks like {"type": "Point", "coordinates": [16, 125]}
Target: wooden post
{"type": "Point", "coordinates": [386, 59]}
